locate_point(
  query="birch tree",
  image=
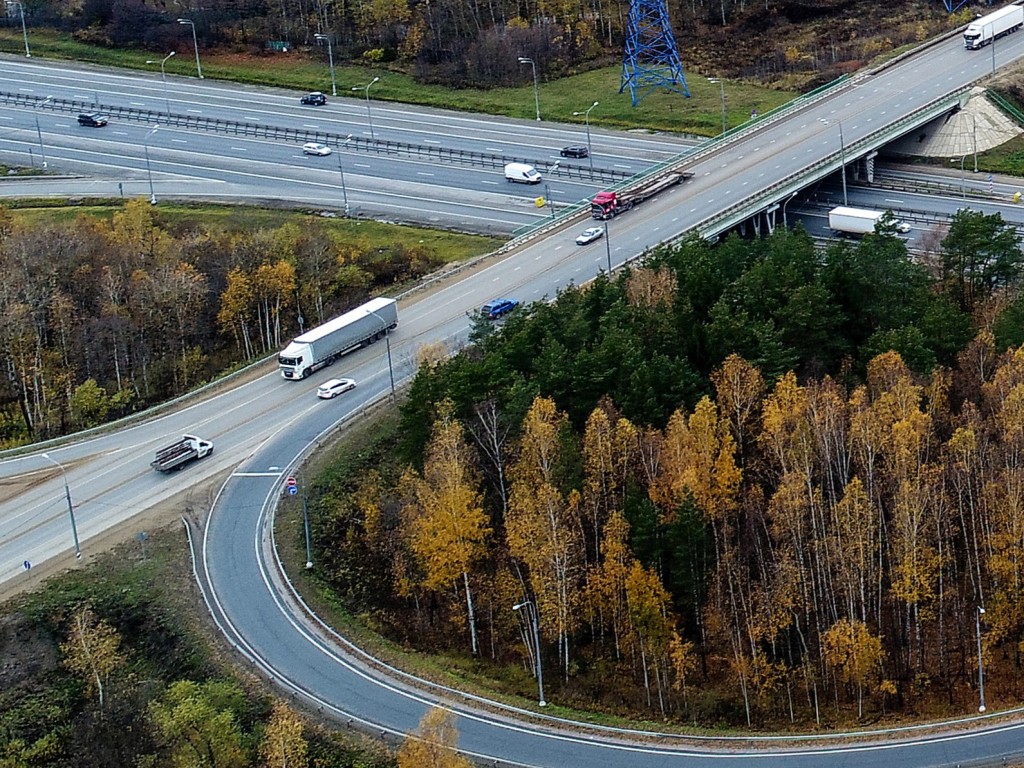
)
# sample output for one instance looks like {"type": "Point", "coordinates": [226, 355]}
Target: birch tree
{"type": "Point", "coordinates": [447, 526]}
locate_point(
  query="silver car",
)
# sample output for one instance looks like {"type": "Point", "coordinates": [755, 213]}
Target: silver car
{"type": "Point", "coordinates": [312, 148]}
{"type": "Point", "coordinates": [589, 235]}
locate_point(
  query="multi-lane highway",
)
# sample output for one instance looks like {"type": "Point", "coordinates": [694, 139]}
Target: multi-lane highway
{"type": "Point", "coordinates": [263, 427]}
{"type": "Point", "coordinates": [188, 163]}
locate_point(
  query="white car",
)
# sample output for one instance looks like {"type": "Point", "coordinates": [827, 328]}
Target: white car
{"type": "Point", "coordinates": [334, 387]}
{"type": "Point", "coordinates": [589, 235]}
{"type": "Point", "coordinates": [312, 148]}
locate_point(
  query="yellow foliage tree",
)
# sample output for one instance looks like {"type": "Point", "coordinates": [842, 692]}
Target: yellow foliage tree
{"type": "Point", "coordinates": [434, 744]}
{"type": "Point", "coordinates": [855, 654]}
{"type": "Point", "coordinates": [283, 744]}
{"type": "Point", "coordinates": [92, 650]}
{"type": "Point", "coordinates": [543, 526]}
{"type": "Point", "coordinates": [446, 525]}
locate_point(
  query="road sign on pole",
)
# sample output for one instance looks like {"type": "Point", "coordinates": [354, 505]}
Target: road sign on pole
{"type": "Point", "coordinates": [292, 490]}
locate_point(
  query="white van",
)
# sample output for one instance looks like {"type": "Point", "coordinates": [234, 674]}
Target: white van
{"type": "Point", "coordinates": [522, 173]}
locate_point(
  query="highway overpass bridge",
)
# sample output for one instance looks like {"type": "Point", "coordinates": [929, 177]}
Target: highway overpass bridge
{"type": "Point", "coordinates": [745, 177]}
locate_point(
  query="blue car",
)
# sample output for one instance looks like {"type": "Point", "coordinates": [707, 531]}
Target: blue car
{"type": "Point", "coordinates": [492, 310]}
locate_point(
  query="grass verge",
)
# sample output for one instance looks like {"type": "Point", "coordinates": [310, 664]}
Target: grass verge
{"type": "Point", "coordinates": [445, 245]}
{"type": "Point", "coordinates": [306, 69]}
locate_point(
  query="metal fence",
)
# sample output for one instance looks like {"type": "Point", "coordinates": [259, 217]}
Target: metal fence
{"type": "Point", "coordinates": [444, 155]}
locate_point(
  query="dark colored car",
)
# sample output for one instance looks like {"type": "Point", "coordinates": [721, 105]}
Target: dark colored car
{"type": "Point", "coordinates": [315, 99]}
{"type": "Point", "coordinates": [92, 119]}
{"type": "Point", "coordinates": [576, 150]}
{"type": "Point", "coordinates": [492, 310]}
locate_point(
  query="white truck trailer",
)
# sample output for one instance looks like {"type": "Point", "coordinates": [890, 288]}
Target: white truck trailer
{"type": "Point", "coordinates": [859, 221]}
{"type": "Point", "coordinates": [984, 30]}
{"type": "Point", "coordinates": [326, 343]}
{"type": "Point", "coordinates": [175, 456]}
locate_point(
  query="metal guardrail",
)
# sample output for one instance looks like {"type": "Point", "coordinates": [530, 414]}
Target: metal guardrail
{"type": "Point", "coordinates": [1005, 105]}
{"type": "Point", "coordinates": [301, 136]}
{"type": "Point", "coordinates": [676, 164]}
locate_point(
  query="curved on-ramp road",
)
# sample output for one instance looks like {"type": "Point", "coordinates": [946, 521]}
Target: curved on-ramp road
{"type": "Point", "coordinates": [266, 620]}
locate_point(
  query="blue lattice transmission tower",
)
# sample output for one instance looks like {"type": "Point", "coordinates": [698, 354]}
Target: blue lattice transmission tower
{"type": "Point", "coordinates": [651, 60]}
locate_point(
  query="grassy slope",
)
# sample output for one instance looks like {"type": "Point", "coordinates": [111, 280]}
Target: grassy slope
{"type": "Point", "coordinates": [700, 114]}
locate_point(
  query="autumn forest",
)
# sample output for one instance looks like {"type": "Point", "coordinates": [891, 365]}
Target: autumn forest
{"type": "Point", "coordinates": [800, 534]}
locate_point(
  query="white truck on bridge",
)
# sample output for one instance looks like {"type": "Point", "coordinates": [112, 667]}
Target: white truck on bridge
{"type": "Point", "coordinates": [326, 343]}
{"type": "Point", "coordinates": [984, 30]}
{"type": "Point", "coordinates": [859, 221]}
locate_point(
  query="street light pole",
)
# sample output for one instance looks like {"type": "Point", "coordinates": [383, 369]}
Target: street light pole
{"type": "Point", "coordinates": [586, 116]}
{"type": "Point", "coordinates": [24, 30]}
{"type": "Point", "coordinates": [344, 191]}
{"type": "Point", "coordinates": [195, 44]}
{"type": "Point", "coordinates": [974, 131]}
{"type": "Point", "coordinates": [330, 59]}
{"type": "Point", "coordinates": [149, 170]}
{"type": "Point", "coordinates": [387, 341]}
{"type": "Point", "coordinates": [963, 180]}
{"type": "Point", "coordinates": [71, 508]}
{"type": "Point", "coordinates": [608, 247]}
{"type": "Point", "coordinates": [39, 132]}
{"type": "Point", "coordinates": [842, 154]}
{"type": "Point", "coordinates": [981, 666]}
{"type": "Point", "coordinates": [532, 610]}
{"type": "Point", "coordinates": [163, 76]}
{"type": "Point", "coordinates": [369, 115]}
{"type": "Point", "coordinates": [536, 96]}
{"type": "Point", "coordinates": [721, 88]}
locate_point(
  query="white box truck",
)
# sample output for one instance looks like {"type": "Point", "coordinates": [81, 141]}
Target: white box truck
{"type": "Point", "coordinates": [522, 173]}
{"type": "Point", "coordinates": [859, 221]}
{"type": "Point", "coordinates": [326, 343]}
{"type": "Point", "coordinates": [984, 30]}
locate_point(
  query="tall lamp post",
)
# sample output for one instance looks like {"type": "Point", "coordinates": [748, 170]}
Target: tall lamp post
{"type": "Point", "coordinates": [163, 76]}
{"type": "Point", "coordinates": [344, 191]}
{"type": "Point", "coordinates": [608, 248]}
{"type": "Point", "coordinates": [981, 666]}
{"type": "Point", "coordinates": [963, 176]}
{"type": "Point", "coordinates": [721, 88]}
{"type": "Point", "coordinates": [71, 508]}
{"type": "Point", "coordinates": [532, 611]}
{"type": "Point", "coordinates": [586, 116]}
{"type": "Point", "coordinates": [387, 341]}
{"type": "Point", "coordinates": [842, 154]}
{"type": "Point", "coordinates": [39, 132]}
{"type": "Point", "coordinates": [195, 44]}
{"type": "Point", "coordinates": [149, 169]}
{"type": "Point", "coordinates": [366, 90]}
{"type": "Point", "coordinates": [536, 96]}
{"type": "Point", "coordinates": [330, 59]}
{"type": "Point", "coordinates": [24, 29]}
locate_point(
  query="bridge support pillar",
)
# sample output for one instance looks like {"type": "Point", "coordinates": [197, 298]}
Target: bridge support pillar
{"type": "Point", "coordinates": [769, 218]}
{"type": "Point", "coordinates": [869, 166]}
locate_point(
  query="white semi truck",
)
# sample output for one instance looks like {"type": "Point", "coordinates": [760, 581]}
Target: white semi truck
{"type": "Point", "coordinates": [859, 221]}
{"type": "Point", "coordinates": [984, 30]}
{"type": "Point", "coordinates": [326, 343]}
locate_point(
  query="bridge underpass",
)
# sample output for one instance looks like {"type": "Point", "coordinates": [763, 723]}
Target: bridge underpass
{"type": "Point", "coordinates": [854, 161]}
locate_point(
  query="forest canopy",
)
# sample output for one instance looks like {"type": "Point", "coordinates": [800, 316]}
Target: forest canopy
{"type": "Point", "coordinates": [105, 316]}
{"type": "Point", "coordinates": [745, 484]}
